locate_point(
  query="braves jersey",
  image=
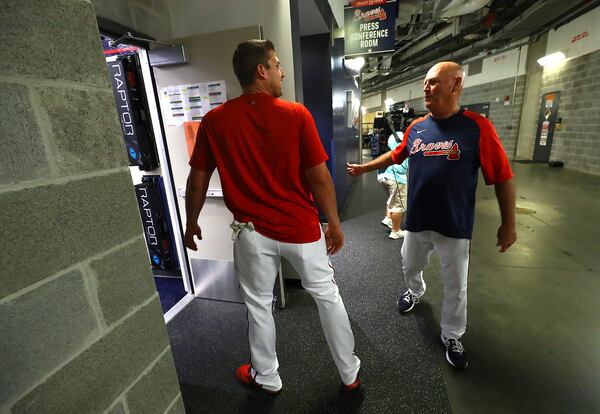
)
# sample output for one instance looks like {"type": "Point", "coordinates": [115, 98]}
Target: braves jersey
{"type": "Point", "coordinates": [445, 157]}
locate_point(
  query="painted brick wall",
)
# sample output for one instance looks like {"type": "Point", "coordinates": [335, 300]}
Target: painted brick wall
{"type": "Point", "coordinates": [81, 326]}
{"type": "Point", "coordinates": [577, 144]}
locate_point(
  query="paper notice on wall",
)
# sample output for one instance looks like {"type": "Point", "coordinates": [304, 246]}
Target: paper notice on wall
{"type": "Point", "coordinates": [217, 93]}
{"type": "Point", "coordinates": [173, 103]}
{"type": "Point", "coordinates": [195, 94]}
{"type": "Point", "coordinates": [190, 102]}
{"type": "Point", "coordinates": [544, 133]}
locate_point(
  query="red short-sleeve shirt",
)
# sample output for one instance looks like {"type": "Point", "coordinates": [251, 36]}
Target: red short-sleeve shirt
{"type": "Point", "coordinates": [262, 146]}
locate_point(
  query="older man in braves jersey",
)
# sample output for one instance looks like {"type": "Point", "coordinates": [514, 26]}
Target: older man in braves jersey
{"type": "Point", "coordinates": [446, 149]}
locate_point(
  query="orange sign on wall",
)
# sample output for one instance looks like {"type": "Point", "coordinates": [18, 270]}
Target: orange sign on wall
{"type": "Point", "coordinates": [191, 130]}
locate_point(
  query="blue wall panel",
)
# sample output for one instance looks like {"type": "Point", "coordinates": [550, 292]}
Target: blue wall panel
{"type": "Point", "coordinates": [325, 82]}
{"type": "Point", "coordinates": [345, 143]}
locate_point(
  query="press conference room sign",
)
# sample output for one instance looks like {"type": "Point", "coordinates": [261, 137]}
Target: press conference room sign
{"type": "Point", "coordinates": [369, 27]}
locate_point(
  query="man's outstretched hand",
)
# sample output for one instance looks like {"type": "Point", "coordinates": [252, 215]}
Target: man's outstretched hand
{"type": "Point", "coordinates": [355, 169]}
{"type": "Point", "coordinates": [334, 238]}
{"type": "Point", "coordinates": [192, 230]}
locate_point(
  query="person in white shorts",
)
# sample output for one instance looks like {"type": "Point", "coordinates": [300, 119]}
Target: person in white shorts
{"type": "Point", "coordinates": [393, 179]}
{"type": "Point", "coordinates": [272, 165]}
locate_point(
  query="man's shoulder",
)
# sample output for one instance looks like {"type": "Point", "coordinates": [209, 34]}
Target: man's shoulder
{"type": "Point", "coordinates": [480, 119]}
{"type": "Point", "coordinates": [417, 121]}
{"type": "Point", "coordinates": [290, 105]}
{"type": "Point", "coordinates": [482, 122]}
{"type": "Point", "coordinates": [215, 112]}
{"type": "Point", "coordinates": [287, 110]}
{"type": "Point", "coordinates": [222, 110]}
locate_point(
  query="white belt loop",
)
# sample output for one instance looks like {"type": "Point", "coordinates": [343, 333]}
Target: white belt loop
{"type": "Point", "coordinates": [237, 227]}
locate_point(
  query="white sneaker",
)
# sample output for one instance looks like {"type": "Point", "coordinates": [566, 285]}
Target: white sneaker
{"type": "Point", "coordinates": [397, 234]}
{"type": "Point", "coordinates": [387, 222]}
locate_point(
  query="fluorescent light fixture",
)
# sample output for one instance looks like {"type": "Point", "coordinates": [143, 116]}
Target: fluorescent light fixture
{"type": "Point", "coordinates": [551, 58]}
{"type": "Point", "coordinates": [355, 64]}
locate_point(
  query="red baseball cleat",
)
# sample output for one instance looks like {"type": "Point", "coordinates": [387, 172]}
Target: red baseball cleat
{"type": "Point", "coordinates": [354, 386]}
{"type": "Point", "coordinates": [244, 375]}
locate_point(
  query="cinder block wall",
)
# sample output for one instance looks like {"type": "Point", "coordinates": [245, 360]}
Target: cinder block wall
{"type": "Point", "coordinates": [577, 143]}
{"type": "Point", "coordinates": [81, 326]}
{"type": "Point", "coordinates": [505, 118]}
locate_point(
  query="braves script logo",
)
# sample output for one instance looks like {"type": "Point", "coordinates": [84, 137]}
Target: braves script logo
{"type": "Point", "coordinates": [436, 149]}
{"type": "Point", "coordinates": [376, 13]}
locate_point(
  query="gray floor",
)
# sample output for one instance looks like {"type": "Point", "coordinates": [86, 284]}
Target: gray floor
{"type": "Point", "coordinates": [534, 332]}
{"type": "Point", "coordinates": [533, 338]}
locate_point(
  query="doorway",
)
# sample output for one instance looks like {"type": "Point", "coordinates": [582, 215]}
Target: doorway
{"type": "Point", "coordinates": [546, 125]}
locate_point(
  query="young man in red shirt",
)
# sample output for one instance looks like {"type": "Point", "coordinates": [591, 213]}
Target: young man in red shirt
{"type": "Point", "coordinates": [271, 164]}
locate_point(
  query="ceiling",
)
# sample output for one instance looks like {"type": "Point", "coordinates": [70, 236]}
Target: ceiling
{"type": "Point", "coordinates": [432, 30]}
{"type": "Point", "coordinates": [311, 21]}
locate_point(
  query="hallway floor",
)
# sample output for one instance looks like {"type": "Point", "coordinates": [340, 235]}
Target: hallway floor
{"type": "Point", "coordinates": [533, 338]}
{"type": "Point", "coordinates": [534, 329]}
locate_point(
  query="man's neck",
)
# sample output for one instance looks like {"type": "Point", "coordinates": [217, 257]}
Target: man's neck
{"type": "Point", "coordinates": [445, 114]}
{"type": "Point", "coordinates": [255, 88]}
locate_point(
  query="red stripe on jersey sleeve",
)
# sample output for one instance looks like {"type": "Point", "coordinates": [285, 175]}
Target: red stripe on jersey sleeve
{"type": "Point", "coordinates": [493, 159]}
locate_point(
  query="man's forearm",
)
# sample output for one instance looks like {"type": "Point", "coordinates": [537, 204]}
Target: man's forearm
{"type": "Point", "coordinates": [195, 194]}
{"type": "Point", "coordinates": [325, 196]}
{"type": "Point", "coordinates": [383, 161]}
{"type": "Point", "coordinates": [505, 194]}
{"type": "Point", "coordinates": [321, 186]}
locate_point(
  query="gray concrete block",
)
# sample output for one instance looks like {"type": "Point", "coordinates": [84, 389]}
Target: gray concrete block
{"type": "Point", "coordinates": [46, 50]}
{"type": "Point", "coordinates": [178, 407]}
{"type": "Point", "coordinates": [85, 129]}
{"type": "Point", "coordinates": [124, 280]}
{"type": "Point", "coordinates": [117, 409]}
{"type": "Point", "coordinates": [146, 4]}
{"type": "Point", "coordinates": [41, 330]}
{"type": "Point", "coordinates": [54, 226]}
{"type": "Point", "coordinates": [154, 391]}
{"type": "Point", "coordinates": [92, 381]}
{"type": "Point", "coordinates": [23, 156]}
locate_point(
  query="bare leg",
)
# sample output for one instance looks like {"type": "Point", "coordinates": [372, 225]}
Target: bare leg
{"type": "Point", "coordinates": [396, 220]}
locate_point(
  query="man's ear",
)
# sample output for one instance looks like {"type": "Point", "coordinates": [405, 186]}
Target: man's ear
{"type": "Point", "coordinates": [261, 71]}
{"type": "Point", "coordinates": [457, 84]}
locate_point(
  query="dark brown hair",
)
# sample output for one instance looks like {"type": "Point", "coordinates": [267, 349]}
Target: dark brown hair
{"type": "Point", "coordinates": [247, 56]}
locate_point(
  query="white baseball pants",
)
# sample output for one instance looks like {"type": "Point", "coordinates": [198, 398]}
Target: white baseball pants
{"type": "Point", "coordinates": [454, 269]}
{"type": "Point", "coordinates": [257, 259]}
